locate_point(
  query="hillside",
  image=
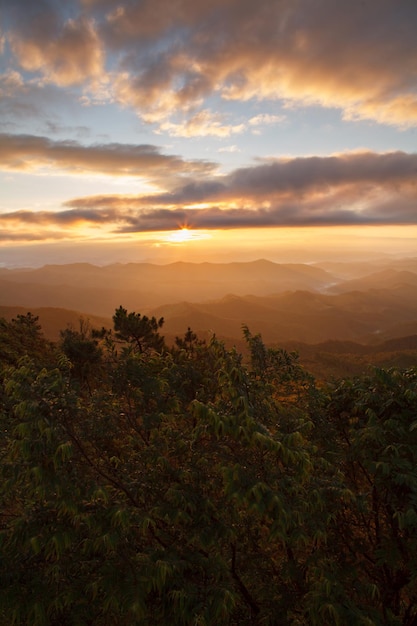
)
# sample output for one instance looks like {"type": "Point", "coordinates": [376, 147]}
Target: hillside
{"type": "Point", "coordinates": [381, 279]}
{"type": "Point", "coordinates": [53, 320]}
{"type": "Point", "coordinates": [98, 290]}
{"type": "Point", "coordinates": [300, 315]}
{"type": "Point", "coordinates": [339, 359]}
{"type": "Point", "coordinates": [345, 305]}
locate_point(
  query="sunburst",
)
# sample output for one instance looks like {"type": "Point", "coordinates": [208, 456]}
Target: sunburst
{"type": "Point", "coordinates": [185, 234]}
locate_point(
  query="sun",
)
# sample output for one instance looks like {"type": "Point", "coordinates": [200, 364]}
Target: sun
{"type": "Point", "coordinates": [185, 235]}
{"type": "Point", "coordinates": [181, 235]}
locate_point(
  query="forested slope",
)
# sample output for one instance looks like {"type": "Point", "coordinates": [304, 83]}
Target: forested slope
{"type": "Point", "coordinates": [153, 485]}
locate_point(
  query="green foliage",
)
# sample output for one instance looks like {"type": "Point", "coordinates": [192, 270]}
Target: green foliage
{"type": "Point", "coordinates": [184, 486]}
{"type": "Point", "coordinates": [22, 336]}
{"type": "Point", "coordinates": [83, 352]}
{"type": "Point", "coordinates": [373, 423]}
{"type": "Point", "coordinates": [141, 332]}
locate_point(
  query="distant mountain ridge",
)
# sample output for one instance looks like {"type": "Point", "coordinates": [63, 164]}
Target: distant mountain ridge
{"type": "Point", "coordinates": [284, 302]}
{"type": "Point", "coordinates": [384, 278]}
{"type": "Point", "coordinates": [97, 290]}
{"type": "Point", "coordinates": [300, 315]}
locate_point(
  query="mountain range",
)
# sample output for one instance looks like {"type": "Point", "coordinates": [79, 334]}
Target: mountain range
{"type": "Point", "coordinates": [308, 303]}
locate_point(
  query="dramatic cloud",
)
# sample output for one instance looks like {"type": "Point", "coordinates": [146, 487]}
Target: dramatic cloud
{"type": "Point", "coordinates": [356, 188]}
{"type": "Point", "coordinates": [253, 80]}
{"type": "Point", "coordinates": [359, 58]}
{"type": "Point", "coordinates": [30, 153]}
{"type": "Point", "coordinates": [65, 50]}
{"type": "Point", "coordinates": [162, 56]}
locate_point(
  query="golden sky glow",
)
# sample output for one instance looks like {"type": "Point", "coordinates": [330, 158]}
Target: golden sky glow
{"type": "Point", "coordinates": [120, 122]}
{"type": "Point", "coordinates": [185, 235]}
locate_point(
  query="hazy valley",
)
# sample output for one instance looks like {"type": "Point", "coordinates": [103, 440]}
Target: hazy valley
{"type": "Point", "coordinates": [366, 311]}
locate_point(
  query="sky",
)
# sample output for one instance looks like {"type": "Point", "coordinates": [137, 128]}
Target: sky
{"type": "Point", "coordinates": [161, 130]}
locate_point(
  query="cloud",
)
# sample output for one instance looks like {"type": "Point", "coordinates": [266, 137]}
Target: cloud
{"type": "Point", "coordinates": [202, 124]}
{"type": "Point", "coordinates": [344, 189]}
{"type": "Point", "coordinates": [29, 236]}
{"type": "Point", "coordinates": [307, 174]}
{"type": "Point", "coordinates": [352, 188]}
{"type": "Point", "coordinates": [65, 50]}
{"type": "Point", "coordinates": [55, 128]}
{"type": "Point", "coordinates": [22, 101]}
{"type": "Point", "coordinates": [265, 118]}
{"type": "Point", "coordinates": [30, 153]}
{"type": "Point", "coordinates": [11, 82]}
{"type": "Point", "coordinates": [355, 58]}
{"type": "Point", "coordinates": [160, 57]}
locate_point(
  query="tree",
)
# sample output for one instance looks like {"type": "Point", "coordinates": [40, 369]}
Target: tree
{"type": "Point", "coordinates": [141, 332]}
{"type": "Point", "coordinates": [148, 503]}
{"type": "Point", "coordinates": [23, 336]}
{"type": "Point", "coordinates": [193, 486]}
{"type": "Point", "coordinates": [83, 351]}
{"type": "Point", "coordinates": [371, 435]}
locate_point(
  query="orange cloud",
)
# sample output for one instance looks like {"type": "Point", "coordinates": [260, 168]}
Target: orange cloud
{"type": "Point", "coordinates": [163, 56]}
{"type": "Point", "coordinates": [29, 153]}
{"type": "Point", "coordinates": [354, 58]}
{"type": "Point", "coordinates": [352, 188]}
{"type": "Point", "coordinates": [202, 124]}
{"type": "Point", "coordinates": [66, 53]}
{"type": "Point", "coordinates": [346, 189]}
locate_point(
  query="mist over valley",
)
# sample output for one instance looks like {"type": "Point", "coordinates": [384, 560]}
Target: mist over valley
{"type": "Point", "coordinates": [357, 306]}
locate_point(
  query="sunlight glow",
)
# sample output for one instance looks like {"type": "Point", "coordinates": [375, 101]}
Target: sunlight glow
{"type": "Point", "coordinates": [184, 235]}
